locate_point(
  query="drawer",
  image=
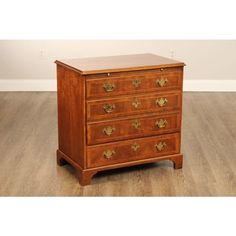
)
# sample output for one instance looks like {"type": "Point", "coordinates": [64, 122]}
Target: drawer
{"type": "Point", "coordinates": [132, 128]}
{"type": "Point", "coordinates": [132, 105]}
{"type": "Point", "coordinates": [130, 150]}
{"type": "Point", "coordinates": [131, 83]}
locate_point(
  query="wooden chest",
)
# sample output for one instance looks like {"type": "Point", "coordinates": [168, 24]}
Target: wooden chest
{"type": "Point", "coordinates": [118, 111]}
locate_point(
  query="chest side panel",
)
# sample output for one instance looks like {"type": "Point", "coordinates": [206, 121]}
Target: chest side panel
{"type": "Point", "coordinates": [71, 114]}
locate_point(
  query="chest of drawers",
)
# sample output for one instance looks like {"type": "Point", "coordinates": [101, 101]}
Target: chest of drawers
{"type": "Point", "coordinates": [118, 111]}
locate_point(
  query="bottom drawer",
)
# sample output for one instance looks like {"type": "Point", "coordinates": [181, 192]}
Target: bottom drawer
{"type": "Point", "coordinates": [130, 150]}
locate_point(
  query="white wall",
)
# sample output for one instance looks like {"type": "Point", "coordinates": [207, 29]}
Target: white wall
{"type": "Point", "coordinates": [33, 59]}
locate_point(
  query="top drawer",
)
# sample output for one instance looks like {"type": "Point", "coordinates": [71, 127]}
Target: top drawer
{"type": "Point", "coordinates": [109, 85]}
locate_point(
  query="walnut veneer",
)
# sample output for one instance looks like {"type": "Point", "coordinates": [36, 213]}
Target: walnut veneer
{"type": "Point", "coordinates": [118, 111]}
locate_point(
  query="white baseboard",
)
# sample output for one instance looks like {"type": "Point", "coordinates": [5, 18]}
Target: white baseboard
{"type": "Point", "coordinates": [50, 85]}
{"type": "Point", "coordinates": [28, 85]}
{"type": "Point", "coordinates": [210, 85]}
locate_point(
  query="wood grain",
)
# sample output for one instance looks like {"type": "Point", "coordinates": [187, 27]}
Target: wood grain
{"type": "Point", "coordinates": [28, 134]}
{"type": "Point", "coordinates": [131, 150]}
{"type": "Point", "coordinates": [136, 62]}
{"type": "Point", "coordinates": [137, 126]}
{"type": "Point", "coordinates": [133, 82]}
{"type": "Point", "coordinates": [125, 106]}
{"type": "Point", "coordinates": [71, 109]}
{"type": "Point", "coordinates": [82, 98]}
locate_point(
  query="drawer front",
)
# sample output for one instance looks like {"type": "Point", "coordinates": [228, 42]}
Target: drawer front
{"type": "Point", "coordinates": [130, 150]}
{"type": "Point", "coordinates": [137, 83]}
{"type": "Point", "coordinates": [110, 108]}
{"type": "Point", "coordinates": [132, 128]}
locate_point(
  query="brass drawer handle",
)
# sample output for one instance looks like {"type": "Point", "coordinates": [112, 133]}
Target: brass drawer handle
{"type": "Point", "coordinates": [136, 103]}
{"type": "Point", "coordinates": [108, 154]}
{"type": "Point", "coordinates": [109, 130]}
{"type": "Point", "coordinates": [135, 146]}
{"type": "Point", "coordinates": [108, 87]}
{"type": "Point", "coordinates": [162, 81]}
{"type": "Point", "coordinates": [161, 102]}
{"type": "Point", "coordinates": [160, 146]}
{"type": "Point", "coordinates": [161, 123]}
{"type": "Point", "coordinates": [136, 124]}
{"type": "Point", "coordinates": [136, 83]}
{"type": "Point", "coordinates": [108, 108]}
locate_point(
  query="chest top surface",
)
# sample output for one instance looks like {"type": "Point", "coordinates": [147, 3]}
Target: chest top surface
{"type": "Point", "coordinates": [94, 65]}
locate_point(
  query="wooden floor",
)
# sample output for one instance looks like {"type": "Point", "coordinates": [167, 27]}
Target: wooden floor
{"type": "Point", "coordinates": [28, 143]}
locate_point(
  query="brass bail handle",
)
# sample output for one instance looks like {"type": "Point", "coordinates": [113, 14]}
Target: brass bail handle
{"type": "Point", "coordinates": [108, 154]}
{"type": "Point", "coordinates": [162, 81]}
{"type": "Point", "coordinates": [160, 146]}
{"type": "Point", "coordinates": [161, 102]}
{"type": "Point", "coordinates": [108, 108]}
{"type": "Point", "coordinates": [109, 130]}
{"type": "Point", "coordinates": [161, 123]}
{"type": "Point", "coordinates": [109, 87]}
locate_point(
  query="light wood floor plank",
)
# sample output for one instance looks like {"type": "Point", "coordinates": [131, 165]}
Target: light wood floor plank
{"type": "Point", "coordinates": [28, 141]}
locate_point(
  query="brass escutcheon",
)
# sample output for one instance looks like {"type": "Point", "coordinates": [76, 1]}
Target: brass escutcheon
{"type": "Point", "coordinates": [136, 124]}
{"type": "Point", "coordinates": [136, 83]}
{"type": "Point", "coordinates": [135, 146]}
{"type": "Point", "coordinates": [108, 87]}
{"type": "Point", "coordinates": [108, 108]}
{"type": "Point", "coordinates": [136, 103]}
{"type": "Point", "coordinates": [109, 130]}
{"type": "Point", "coordinates": [108, 153]}
{"type": "Point", "coordinates": [161, 102]}
{"type": "Point", "coordinates": [162, 81]}
{"type": "Point", "coordinates": [161, 123]}
{"type": "Point", "coordinates": [160, 146]}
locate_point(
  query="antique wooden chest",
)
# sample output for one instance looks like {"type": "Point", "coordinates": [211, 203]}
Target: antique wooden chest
{"type": "Point", "coordinates": [118, 111]}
